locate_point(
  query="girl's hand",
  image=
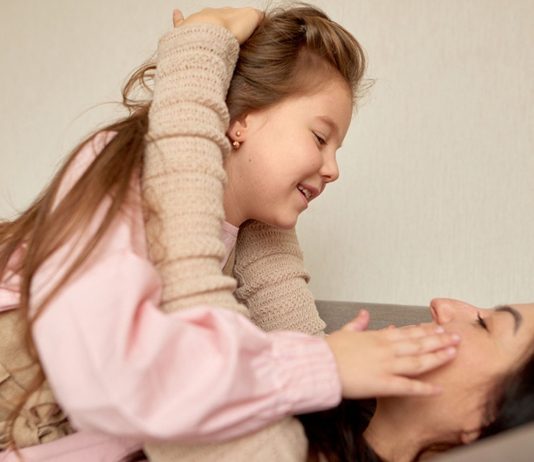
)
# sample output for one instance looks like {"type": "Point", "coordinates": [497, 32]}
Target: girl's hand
{"type": "Point", "coordinates": [241, 22]}
{"type": "Point", "coordinates": [382, 363]}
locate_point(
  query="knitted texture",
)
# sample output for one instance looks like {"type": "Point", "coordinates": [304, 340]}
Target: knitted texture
{"type": "Point", "coordinates": [41, 420]}
{"type": "Point", "coordinates": [183, 176]}
{"type": "Point", "coordinates": [272, 280]}
{"type": "Point", "coordinates": [183, 181]}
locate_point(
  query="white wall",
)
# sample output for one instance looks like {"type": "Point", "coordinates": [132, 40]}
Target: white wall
{"type": "Point", "coordinates": [436, 196]}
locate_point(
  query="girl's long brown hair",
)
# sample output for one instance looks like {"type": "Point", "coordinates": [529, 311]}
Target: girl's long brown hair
{"type": "Point", "coordinates": [288, 47]}
{"type": "Point", "coordinates": [43, 228]}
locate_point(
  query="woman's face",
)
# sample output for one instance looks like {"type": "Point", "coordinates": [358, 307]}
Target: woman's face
{"type": "Point", "coordinates": [287, 155]}
{"type": "Point", "coordinates": [494, 342]}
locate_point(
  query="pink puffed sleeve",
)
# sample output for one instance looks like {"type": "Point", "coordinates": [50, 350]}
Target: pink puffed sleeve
{"type": "Point", "coordinates": [117, 364]}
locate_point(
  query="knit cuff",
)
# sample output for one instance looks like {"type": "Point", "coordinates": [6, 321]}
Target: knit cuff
{"type": "Point", "coordinates": [308, 373]}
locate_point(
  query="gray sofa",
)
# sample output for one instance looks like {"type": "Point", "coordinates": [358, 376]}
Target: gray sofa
{"type": "Point", "coordinates": [513, 446]}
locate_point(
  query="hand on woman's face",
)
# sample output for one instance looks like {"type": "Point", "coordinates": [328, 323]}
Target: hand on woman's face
{"type": "Point", "coordinates": [493, 342]}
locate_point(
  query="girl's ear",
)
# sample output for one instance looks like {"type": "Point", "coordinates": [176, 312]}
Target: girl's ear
{"type": "Point", "coordinates": [237, 129]}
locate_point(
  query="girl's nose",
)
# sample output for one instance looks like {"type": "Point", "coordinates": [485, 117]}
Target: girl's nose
{"type": "Point", "coordinates": [329, 170]}
{"type": "Point", "coordinates": [445, 310]}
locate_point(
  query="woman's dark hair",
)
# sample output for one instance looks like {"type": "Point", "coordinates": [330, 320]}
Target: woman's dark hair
{"type": "Point", "coordinates": [514, 405]}
{"type": "Point", "coordinates": [337, 434]}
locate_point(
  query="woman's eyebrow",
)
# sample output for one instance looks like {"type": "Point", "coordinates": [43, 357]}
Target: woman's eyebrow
{"type": "Point", "coordinates": [518, 319]}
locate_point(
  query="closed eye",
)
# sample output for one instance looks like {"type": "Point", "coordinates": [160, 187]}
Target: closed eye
{"type": "Point", "coordinates": [319, 139]}
{"type": "Point", "coordinates": [481, 322]}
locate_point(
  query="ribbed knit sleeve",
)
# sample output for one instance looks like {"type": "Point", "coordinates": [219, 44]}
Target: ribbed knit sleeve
{"type": "Point", "coordinates": [183, 175]}
{"type": "Point", "coordinates": [272, 280]}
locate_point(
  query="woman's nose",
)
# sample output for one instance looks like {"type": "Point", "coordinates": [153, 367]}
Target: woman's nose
{"type": "Point", "coordinates": [445, 310]}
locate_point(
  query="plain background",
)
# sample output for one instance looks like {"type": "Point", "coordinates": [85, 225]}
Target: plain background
{"type": "Point", "coordinates": [436, 195]}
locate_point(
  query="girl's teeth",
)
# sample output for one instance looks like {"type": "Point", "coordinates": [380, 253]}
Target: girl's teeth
{"type": "Point", "coordinates": [304, 191]}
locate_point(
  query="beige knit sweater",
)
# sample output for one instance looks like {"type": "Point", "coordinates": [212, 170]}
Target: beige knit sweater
{"type": "Point", "coordinates": [183, 180]}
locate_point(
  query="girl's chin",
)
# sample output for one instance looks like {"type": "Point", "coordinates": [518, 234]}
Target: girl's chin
{"type": "Point", "coordinates": [283, 222]}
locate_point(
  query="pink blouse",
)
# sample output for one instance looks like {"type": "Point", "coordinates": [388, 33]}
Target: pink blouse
{"type": "Point", "coordinates": [125, 372]}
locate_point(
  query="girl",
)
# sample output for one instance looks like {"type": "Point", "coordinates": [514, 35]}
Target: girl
{"type": "Point", "coordinates": [78, 274]}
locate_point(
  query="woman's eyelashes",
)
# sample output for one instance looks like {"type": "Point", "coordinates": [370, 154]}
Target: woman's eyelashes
{"type": "Point", "coordinates": [481, 322]}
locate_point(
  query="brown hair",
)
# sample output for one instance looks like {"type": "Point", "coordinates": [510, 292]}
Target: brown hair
{"type": "Point", "coordinates": [275, 62]}
{"type": "Point", "coordinates": [272, 65]}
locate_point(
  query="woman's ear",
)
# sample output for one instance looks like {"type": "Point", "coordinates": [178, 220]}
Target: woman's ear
{"type": "Point", "coordinates": [468, 436]}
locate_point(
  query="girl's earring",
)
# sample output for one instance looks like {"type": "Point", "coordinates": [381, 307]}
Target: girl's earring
{"type": "Point", "coordinates": [236, 144]}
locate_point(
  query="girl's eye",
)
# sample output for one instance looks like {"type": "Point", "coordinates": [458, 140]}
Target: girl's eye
{"type": "Point", "coordinates": [481, 322]}
{"type": "Point", "coordinates": [320, 139]}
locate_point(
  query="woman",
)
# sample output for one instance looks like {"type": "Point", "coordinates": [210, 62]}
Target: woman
{"type": "Point", "coordinates": [488, 389]}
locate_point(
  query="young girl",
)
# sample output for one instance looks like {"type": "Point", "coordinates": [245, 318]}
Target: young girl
{"type": "Point", "coordinates": [86, 268]}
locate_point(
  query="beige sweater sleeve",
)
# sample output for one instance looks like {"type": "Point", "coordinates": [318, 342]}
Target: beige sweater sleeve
{"type": "Point", "coordinates": [183, 182]}
{"type": "Point", "coordinates": [183, 175]}
{"type": "Point", "coordinates": [272, 280]}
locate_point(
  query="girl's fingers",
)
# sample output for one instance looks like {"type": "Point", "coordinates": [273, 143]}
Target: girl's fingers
{"type": "Point", "coordinates": [415, 365]}
{"type": "Point", "coordinates": [241, 22]}
{"type": "Point", "coordinates": [426, 344]}
{"type": "Point", "coordinates": [421, 330]}
{"type": "Point", "coordinates": [245, 22]}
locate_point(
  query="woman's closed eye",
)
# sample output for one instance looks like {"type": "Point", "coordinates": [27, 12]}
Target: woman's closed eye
{"type": "Point", "coordinates": [481, 322]}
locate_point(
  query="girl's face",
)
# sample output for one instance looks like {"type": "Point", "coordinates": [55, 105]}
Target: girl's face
{"type": "Point", "coordinates": [287, 155]}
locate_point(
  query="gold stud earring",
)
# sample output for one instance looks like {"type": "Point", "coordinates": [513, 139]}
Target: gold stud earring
{"type": "Point", "coordinates": [236, 144]}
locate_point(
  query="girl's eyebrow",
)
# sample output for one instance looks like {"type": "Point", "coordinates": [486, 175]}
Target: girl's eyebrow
{"type": "Point", "coordinates": [518, 319]}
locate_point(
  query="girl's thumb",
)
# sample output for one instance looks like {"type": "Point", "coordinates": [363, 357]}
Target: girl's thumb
{"type": "Point", "coordinates": [177, 17]}
{"type": "Point", "coordinates": [359, 323]}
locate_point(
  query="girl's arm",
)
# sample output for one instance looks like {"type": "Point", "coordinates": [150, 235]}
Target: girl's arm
{"type": "Point", "coordinates": [272, 280]}
{"type": "Point", "coordinates": [183, 175]}
{"type": "Point", "coordinates": [200, 176]}
{"type": "Point", "coordinates": [117, 364]}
